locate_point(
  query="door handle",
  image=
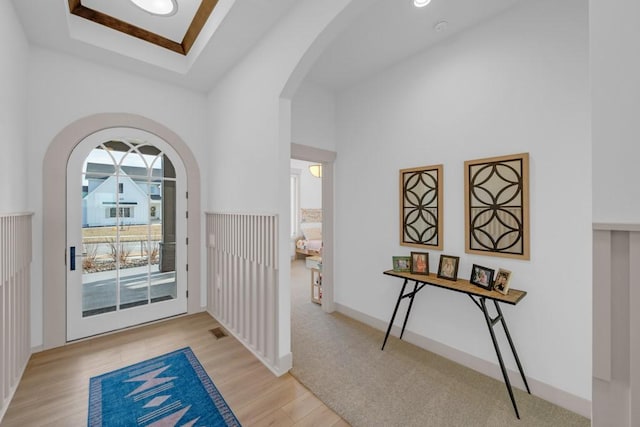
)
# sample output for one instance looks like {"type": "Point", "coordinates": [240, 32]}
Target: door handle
{"type": "Point", "coordinates": [72, 258]}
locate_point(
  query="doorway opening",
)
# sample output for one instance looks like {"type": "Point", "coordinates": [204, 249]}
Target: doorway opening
{"type": "Point", "coordinates": [306, 232]}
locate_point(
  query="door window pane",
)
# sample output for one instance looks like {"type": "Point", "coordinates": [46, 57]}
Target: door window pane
{"type": "Point", "coordinates": [129, 227]}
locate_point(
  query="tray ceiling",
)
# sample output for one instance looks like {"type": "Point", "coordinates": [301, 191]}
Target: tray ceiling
{"type": "Point", "coordinates": [176, 33]}
{"type": "Point", "coordinates": [196, 46]}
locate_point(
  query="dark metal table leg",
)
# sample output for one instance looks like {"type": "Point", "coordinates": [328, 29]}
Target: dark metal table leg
{"type": "Point", "coordinates": [404, 285]}
{"type": "Point", "coordinates": [513, 347]}
{"type": "Point", "coordinates": [406, 316]}
{"type": "Point", "coordinates": [490, 324]}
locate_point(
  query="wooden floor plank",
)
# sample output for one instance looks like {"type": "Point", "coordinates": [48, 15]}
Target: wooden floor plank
{"type": "Point", "coordinates": [280, 394]}
{"type": "Point", "coordinates": [277, 418]}
{"type": "Point", "coordinates": [322, 416]}
{"type": "Point", "coordinates": [302, 406]}
{"type": "Point", "coordinates": [54, 388]}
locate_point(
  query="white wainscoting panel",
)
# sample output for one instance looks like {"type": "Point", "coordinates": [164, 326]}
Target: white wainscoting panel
{"type": "Point", "coordinates": [242, 275]}
{"type": "Point", "coordinates": [15, 282]}
{"type": "Point", "coordinates": [616, 325]}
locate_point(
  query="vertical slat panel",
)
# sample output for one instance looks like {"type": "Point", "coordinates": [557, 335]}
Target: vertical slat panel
{"type": "Point", "coordinates": [210, 261]}
{"type": "Point", "coordinates": [616, 337]}
{"type": "Point", "coordinates": [15, 340]}
{"type": "Point", "coordinates": [3, 290]}
{"type": "Point", "coordinates": [12, 298]}
{"type": "Point", "coordinates": [245, 299]}
{"type": "Point", "coordinates": [11, 306]}
{"type": "Point", "coordinates": [253, 307]}
{"type": "Point", "coordinates": [602, 309]}
{"type": "Point", "coordinates": [12, 302]}
{"type": "Point", "coordinates": [4, 385]}
{"type": "Point", "coordinates": [242, 278]}
{"type": "Point", "coordinates": [634, 324]}
{"type": "Point", "coordinates": [262, 290]}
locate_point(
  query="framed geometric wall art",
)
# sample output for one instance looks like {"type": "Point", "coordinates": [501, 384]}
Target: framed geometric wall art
{"type": "Point", "coordinates": [421, 220]}
{"type": "Point", "coordinates": [497, 206]}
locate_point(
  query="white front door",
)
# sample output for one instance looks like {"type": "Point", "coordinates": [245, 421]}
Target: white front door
{"type": "Point", "coordinates": [126, 232]}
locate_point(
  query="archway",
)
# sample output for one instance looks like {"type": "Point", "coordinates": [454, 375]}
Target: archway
{"type": "Point", "coordinates": [54, 170]}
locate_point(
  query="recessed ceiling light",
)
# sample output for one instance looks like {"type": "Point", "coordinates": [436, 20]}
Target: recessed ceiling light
{"type": "Point", "coordinates": [157, 7]}
{"type": "Point", "coordinates": [421, 3]}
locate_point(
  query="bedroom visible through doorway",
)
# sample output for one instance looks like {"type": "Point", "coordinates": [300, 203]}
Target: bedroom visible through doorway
{"type": "Point", "coordinates": [306, 230]}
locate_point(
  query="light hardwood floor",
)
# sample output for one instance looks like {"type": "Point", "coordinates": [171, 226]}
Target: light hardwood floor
{"type": "Point", "coordinates": [54, 387]}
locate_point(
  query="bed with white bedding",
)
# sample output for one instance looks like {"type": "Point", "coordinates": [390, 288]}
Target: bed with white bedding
{"type": "Point", "coordinates": [310, 243]}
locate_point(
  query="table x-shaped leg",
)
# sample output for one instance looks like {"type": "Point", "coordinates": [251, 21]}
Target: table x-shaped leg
{"type": "Point", "coordinates": [401, 295]}
{"type": "Point", "coordinates": [491, 322]}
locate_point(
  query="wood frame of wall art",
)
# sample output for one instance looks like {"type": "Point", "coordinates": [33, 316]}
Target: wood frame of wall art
{"type": "Point", "coordinates": [421, 219]}
{"type": "Point", "coordinates": [497, 206]}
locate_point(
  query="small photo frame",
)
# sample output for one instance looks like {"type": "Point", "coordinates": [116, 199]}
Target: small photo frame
{"type": "Point", "coordinates": [503, 278]}
{"type": "Point", "coordinates": [419, 263]}
{"type": "Point", "coordinates": [448, 267]}
{"type": "Point", "coordinates": [482, 277]}
{"type": "Point", "coordinates": [402, 264]}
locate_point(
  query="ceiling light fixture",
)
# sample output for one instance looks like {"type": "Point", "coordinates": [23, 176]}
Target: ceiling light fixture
{"type": "Point", "coordinates": [316, 170]}
{"type": "Point", "coordinates": [157, 7]}
{"type": "Point", "coordinates": [421, 3]}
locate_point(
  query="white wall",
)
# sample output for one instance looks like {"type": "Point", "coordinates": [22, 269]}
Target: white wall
{"type": "Point", "coordinates": [313, 117]}
{"type": "Point", "coordinates": [13, 112]}
{"type": "Point", "coordinates": [517, 83]}
{"type": "Point", "coordinates": [250, 127]}
{"type": "Point", "coordinates": [615, 100]}
{"type": "Point", "coordinates": [250, 93]}
{"type": "Point", "coordinates": [63, 89]}
{"type": "Point", "coordinates": [310, 186]}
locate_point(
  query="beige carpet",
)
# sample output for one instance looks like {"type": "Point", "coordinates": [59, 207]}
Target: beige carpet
{"type": "Point", "coordinates": [339, 360]}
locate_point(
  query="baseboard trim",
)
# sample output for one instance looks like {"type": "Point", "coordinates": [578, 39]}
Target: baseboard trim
{"type": "Point", "coordinates": [285, 364]}
{"type": "Point", "coordinates": [545, 391]}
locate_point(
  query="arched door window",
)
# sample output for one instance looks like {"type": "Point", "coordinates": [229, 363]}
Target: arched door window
{"type": "Point", "coordinates": [125, 240]}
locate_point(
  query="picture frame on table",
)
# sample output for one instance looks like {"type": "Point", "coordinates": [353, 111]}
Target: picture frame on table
{"type": "Point", "coordinates": [448, 267]}
{"type": "Point", "coordinates": [419, 263]}
{"type": "Point", "coordinates": [502, 281]}
{"type": "Point", "coordinates": [482, 277]}
{"type": "Point", "coordinates": [402, 264]}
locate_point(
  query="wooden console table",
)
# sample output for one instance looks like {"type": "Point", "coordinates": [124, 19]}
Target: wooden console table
{"type": "Point", "coordinates": [479, 296]}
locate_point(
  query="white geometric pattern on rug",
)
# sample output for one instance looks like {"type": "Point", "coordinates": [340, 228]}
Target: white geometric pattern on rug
{"type": "Point", "coordinates": [150, 380]}
{"type": "Point", "coordinates": [173, 419]}
{"type": "Point", "coordinates": [156, 401]}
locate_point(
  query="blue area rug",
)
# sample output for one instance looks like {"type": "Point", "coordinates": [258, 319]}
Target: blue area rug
{"type": "Point", "coordinates": [168, 390]}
